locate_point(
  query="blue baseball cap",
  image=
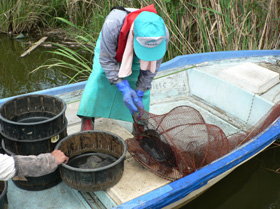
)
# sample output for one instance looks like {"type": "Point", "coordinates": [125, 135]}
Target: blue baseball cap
{"type": "Point", "coordinates": [149, 36]}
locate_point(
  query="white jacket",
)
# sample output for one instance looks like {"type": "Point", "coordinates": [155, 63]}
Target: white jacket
{"type": "Point", "coordinates": [7, 167]}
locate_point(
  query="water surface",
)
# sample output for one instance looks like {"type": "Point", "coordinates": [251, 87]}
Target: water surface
{"type": "Point", "coordinates": [15, 77]}
{"type": "Point", "coordinates": [253, 185]}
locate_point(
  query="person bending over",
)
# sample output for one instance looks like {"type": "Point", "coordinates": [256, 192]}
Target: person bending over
{"type": "Point", "coordinates": [127, 56]}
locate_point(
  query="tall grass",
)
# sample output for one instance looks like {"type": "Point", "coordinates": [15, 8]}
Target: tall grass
{"type": "Point", "coordinates": [17, 15]}
{"type": "Point", "coordinates": [195, 26]}
{"type": "Point", "coordinates": [219, 25]}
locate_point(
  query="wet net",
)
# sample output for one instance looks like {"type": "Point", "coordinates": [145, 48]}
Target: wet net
{"type": "Point", "coordinates": [177, 143]}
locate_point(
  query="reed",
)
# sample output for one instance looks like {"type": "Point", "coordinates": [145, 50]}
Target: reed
{"type": "Point", "coordinates": [195, 26]}
{"type": "Point", "coordinates": [17, 15]}
{"type": "Point", "coordinates": [219, 25]}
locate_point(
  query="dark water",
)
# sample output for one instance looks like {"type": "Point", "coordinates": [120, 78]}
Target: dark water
{"type": "Point", "coordinates": [91, 160]}
{"type": "Point", "coordinates": [15, 77]}
{"type": "Point", "coordinates": [251, 186]}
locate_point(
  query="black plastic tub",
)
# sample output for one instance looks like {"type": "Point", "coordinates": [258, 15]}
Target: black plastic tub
{"type": "Point", "coordinates": [31, 125]}
{"type": "Point", "coordinates": [33, 146]}
{"type": "Point", "coordinates": [32, 116]}
{"type": "Point", "coordinates": [2, 151]}
{"type": "Point", "coordinates": [3, 194]}
{"type": "Point", "coordinates": [93, 179]}
{"type": "Point", "coordinates": [39, 183]}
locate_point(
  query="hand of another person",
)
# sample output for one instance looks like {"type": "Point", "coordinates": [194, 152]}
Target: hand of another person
{"type": "Point", "coordinates": [130, 98]}
{"type": "Point", "coordinates": [60, 156]}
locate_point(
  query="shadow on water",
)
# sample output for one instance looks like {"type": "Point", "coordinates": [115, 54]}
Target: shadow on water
{"type": "Point", "coordinates": [250, 186]}
{"type": "Point", "coordinates": [14, 70]}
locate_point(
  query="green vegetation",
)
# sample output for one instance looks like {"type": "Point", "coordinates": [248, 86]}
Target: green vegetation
{"type": "Point", "coordinates": [74, 61]}
{"type": "Point", "coordinates": [195, 26]}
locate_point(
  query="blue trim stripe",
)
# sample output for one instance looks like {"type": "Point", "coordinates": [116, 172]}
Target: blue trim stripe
{"type": "Point", "coordinates": [193, 59]}
{"type": "Point", "coordinates": [53, 91]}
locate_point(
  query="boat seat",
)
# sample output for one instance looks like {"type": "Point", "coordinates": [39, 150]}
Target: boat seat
{"type": "Point", "coordinates": [221, 93]}
{"type": "Point", "coordinates": [251, 77]}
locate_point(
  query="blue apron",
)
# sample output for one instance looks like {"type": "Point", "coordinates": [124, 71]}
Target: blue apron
{"type": "Point", "coordinates": [101, 99]}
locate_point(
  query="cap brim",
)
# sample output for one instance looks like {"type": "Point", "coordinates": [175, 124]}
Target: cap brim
{"type": "Point", "coordinates": [149, 54]}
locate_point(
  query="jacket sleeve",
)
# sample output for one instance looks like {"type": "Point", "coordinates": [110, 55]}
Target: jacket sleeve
{"type": "Point", "coordinates": [109, 44]}
{"type": "Point", "coordinates": [34, 166]}
{"type": "Point", "coordinates": [146, 77]}
{"type": "Point", "coordinates": [7, 167]}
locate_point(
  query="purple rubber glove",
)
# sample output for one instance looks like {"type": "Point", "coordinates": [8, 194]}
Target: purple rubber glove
{"type": "Point", "coordinates": [130, 98]}
{"type": "Point", "coordinates": [140, 94]}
